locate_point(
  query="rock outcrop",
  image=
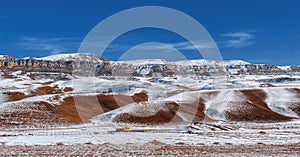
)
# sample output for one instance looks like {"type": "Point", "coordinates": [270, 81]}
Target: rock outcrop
{"type": "Point", "coordinates": [75, 66]}
{"type": "Point", "coordinates": [93, 65]}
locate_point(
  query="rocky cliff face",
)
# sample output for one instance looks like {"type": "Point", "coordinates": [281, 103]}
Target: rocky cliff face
{"type": "Point", "coordinates": [79, 65]}
{"type": "Point", "coordinates": [200, 68]}
{"type": "Point", "coordinates": [92, 65]}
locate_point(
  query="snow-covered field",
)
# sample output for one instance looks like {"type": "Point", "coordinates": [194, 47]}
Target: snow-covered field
{"type": "Point", "coordinates": [222, 120]}
{"type": "Point", "coordinates": [207, 133]}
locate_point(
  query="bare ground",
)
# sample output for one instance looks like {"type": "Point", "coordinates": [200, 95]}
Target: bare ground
{"type": "Point", "coordinates": [155, 149]}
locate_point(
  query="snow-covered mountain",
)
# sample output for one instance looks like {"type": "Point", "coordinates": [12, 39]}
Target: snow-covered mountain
{"type": "Point", "coordinates": [73, 57]}
{"type": "Point", "coordinates": [93, 65]}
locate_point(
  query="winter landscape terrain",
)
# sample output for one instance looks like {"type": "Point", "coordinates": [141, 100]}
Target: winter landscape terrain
{"type": "Point", "coordinates": [84, 105]}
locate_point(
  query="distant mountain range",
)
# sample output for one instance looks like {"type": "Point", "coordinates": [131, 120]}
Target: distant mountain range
{"type": "Point", "coordinates": [93, 65]}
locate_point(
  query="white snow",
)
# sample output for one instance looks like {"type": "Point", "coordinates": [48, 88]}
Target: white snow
{"type": "Point", "coordinates": [233, 62]}
{"type": "Point", "coordinates": [242, 133]}
{"type": "Point", "coordinates": [58, 57]}
{"type": "Point", "coordinates": [202, 62]}
{"type": "Point", "coordinates": [2, 99]}
{"type": "Point", "coordinates": [285, 68]}
{"type": "Point", "coordinates": [233, 71]}
{"type": "Point", "coordinates": [194, 62]}
{"type": "Point", "coordinates": [2, 57]}
{"type": "Point", "coordinates": [280, 99]}
{"type": "Point", "coordinates": [74, 57]}
{"type": "Point", "coordinates": [141, 62]}
{"type": "Point", "coordinates": [215, 107]}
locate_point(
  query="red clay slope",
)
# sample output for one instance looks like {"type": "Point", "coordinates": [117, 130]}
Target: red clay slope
{"type": "Point", "coordinates": [254, 108]}
{"type": "Point", "coordinates": [82, 108]}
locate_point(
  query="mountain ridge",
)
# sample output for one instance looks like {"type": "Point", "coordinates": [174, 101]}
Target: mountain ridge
{"type": "Point", "coordinates": [67, 56]}
{"type": "Point", "coordinates": [92, 64]}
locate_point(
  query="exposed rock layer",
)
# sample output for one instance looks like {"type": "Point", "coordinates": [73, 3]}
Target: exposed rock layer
{"type": "Point", "coordinates": [101, 67]}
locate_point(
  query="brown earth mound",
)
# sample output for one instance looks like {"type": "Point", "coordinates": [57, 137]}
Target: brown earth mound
{"type": "Point", "coordinates": [15, 96]}
{"type": "Point", "coordinates": [160, 117]}
{"type": "Point", "coordinates": [44, 90]}
{"type": "Point", "coordinates": [195, 109]}
{"type": "Point", "coordinates": [30, 115]}
{"type": "Point", "coordinates": [82, 108]}
{"type": "Point", "coordinates": [254, 108]}
{"type": "Point", "coordinates": [199, 115]}
{"type": "Point", "coordinates": [111, 102]}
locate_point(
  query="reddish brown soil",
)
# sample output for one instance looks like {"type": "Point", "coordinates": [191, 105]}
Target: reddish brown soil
{"type": "Point", "coordinates": [110, 102]}
{"type": "Point", "coordinates": [254, 109]}
{"type": "Point", "coordinates": [30, 115]}
{"type": "Point", "coordinates": [189, 108]}
{"type": "Point", "coordinates": [159, 117]}
{"type": "Point", "coordinates": [200, 115]}
{"type": "Point", "coordinates": [68, 89]}
{"type": "Point", "coordinates": [82, 108]}
{"type": "Point", "coordinates": [44, 90]}
{"type": "Point", "coordinates": [15, 96]}
{"type": "Point", "coordinates": [43, 113]}
{"type": "Point", "coordinates": [165, 116]}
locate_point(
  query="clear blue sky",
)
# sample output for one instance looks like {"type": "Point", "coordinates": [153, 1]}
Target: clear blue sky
{"type": "Point", "coordinates": [257, 31]}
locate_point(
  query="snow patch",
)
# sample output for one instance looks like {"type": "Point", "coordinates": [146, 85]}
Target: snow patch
{"type": "Point", "coordinates": [279, 100]}
{"type": "Point", "coordinates": [74, 57]}
{"type": "Point", "coordinates": [216, 107]}
{"type": "Point", "coordinates": [141, 62]}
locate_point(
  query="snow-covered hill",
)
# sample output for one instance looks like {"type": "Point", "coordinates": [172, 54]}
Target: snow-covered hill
{"type": "Point", "coordinates": [56, 80]}
{"type": "Point", "coordinates": [79, 98]}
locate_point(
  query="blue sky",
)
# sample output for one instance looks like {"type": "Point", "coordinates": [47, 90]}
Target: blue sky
{"type": "Point", "coordinates": [257, 31]}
